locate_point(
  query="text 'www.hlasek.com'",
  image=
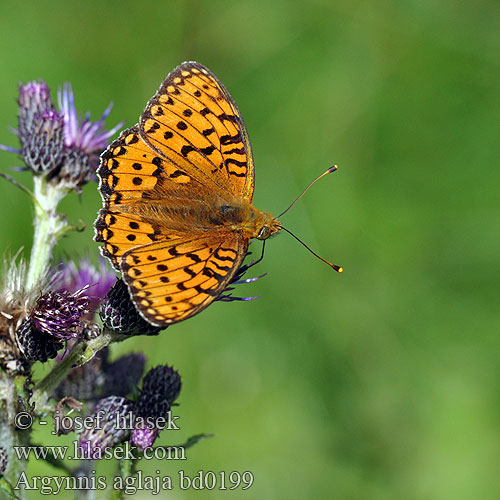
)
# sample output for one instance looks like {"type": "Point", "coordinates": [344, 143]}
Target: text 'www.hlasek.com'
{"type": "Point", "coordinates": [129, 484]}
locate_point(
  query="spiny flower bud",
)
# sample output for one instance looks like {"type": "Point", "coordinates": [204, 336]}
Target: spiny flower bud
{"type": "Point", "coordinates": [106, 433]}
{"type": "Point", "coordinates": [57, 143]}
{"type": "Point", "coordinates": [34, 99]}
{"type": "Point", "coordinates": [148, 406]}
{"type": "Point", "coordinates": [43, 148]}
{"type": "Point", "coordinates": [119, 313]}
{"type": "Point", "coordinates": [160, 388]}
{"type": "Point", "coordinates": [59, 313]}
{"type": "Point", "coordinates": [98, 378]}
{"type": "Point", "coordinates": [163, 380]}
{"type": "Point", "coordinates": [122, 376]}
{"type": "Point", "coordinates": [34, 344]}
{"type": "Point", "coordinates": [84, 382]}
{"type": "Point", "coordinates": [151, 405]}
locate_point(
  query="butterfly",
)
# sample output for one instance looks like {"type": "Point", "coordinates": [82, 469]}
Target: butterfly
{"type": "Point", "coordinates": [177, 190]}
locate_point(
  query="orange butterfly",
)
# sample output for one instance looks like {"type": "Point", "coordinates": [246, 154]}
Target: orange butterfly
{"type": "Point", "coordinates": [177, 193]}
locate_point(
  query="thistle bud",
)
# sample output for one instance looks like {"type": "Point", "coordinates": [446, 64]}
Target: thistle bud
{"type": "Point", "coordinates": [119, 313]}
{"type": "Point", "coordinates": [160, 387]}
{"type": "Point", "coordinates": [34, 344]}
{"type": "Point", "coordinates": [163, 380]}
{"type": "Point", "coordinates": [34, 99]}
{"type": "Point", "coordinates": [122, 376]}
{"type": "Point", "coordinates": [106, 433]}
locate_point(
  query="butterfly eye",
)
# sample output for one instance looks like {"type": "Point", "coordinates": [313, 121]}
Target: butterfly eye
{"type": "Point", "coordinates": [264, 233]}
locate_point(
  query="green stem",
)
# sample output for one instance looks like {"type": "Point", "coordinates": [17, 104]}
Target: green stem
{"type": "Point", "coordinates": [48, 226]}
{"type": "Point", "coordinates": [126, 467]}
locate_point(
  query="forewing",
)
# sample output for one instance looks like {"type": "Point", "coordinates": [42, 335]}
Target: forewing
{"type": "Point", "coordinates": [130, 167]}
{"type": "Point", "coordinates": [170, 281]}
{"type": "Point", "coordinates": [194, 123]}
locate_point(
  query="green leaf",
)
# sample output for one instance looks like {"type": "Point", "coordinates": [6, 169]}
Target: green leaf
{"type": "Point", "coordinates": [6, 487]}
{"type": "Point", "coordinates": [195, 439]}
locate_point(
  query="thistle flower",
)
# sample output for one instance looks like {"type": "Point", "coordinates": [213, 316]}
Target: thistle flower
{"type": "Point", "coordinates": [43, 146]}
{"type": "Point", "coordinates": [160, 388]}
{"type": "Point", "coordinates": [59, 313]}
{"type": "Point", "coordinates": [118, 313]}
{"type": "Point", "coordinates": [56, 143]}
{"type": "Point", "coordinates": [95, 280]}
{"type": "Point", "coordinates": [16, 302]}
{"type": "Point", "coordinates": [107, 431]}
{"type": "Point", "coordinates": [40, 129]}
{"type": "Point", "coordinates": [84, 139]}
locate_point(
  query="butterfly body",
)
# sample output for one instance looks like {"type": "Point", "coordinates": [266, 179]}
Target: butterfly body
{"type": "Point", "coordinates": [177, 191]}
{"type": "Point", "coordinates": [174, 214]}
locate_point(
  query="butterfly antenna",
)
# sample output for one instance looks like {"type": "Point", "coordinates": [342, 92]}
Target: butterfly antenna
{"type": "Point", "coordinates": [329, 171]}
{"type": "Point", "coordinates": [333, 266]}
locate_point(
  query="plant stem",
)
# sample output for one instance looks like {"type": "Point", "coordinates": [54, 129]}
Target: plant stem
{"type": "Point", "coordinates": [48, 226]}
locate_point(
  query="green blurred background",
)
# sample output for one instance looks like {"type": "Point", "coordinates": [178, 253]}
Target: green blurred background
{"type": "Point", "coordinates": [383, 382]}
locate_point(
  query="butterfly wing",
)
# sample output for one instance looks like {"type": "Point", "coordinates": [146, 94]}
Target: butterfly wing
{"type": "Point", "coordinates": [130, 170]}
{"type": "Point", "coordinates": [194, 123]}
{"type": "Point", "coordinates": [170, 281]}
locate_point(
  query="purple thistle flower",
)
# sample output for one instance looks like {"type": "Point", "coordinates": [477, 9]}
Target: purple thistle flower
{"type": "Point", "coordinates": [84, 135]}
{"type": "Point", "coordinates": [95, 280]}
{"type": "Point", "coordinates": [59, 313]}
{"type": "Point", "coordinates": [58, 143]}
